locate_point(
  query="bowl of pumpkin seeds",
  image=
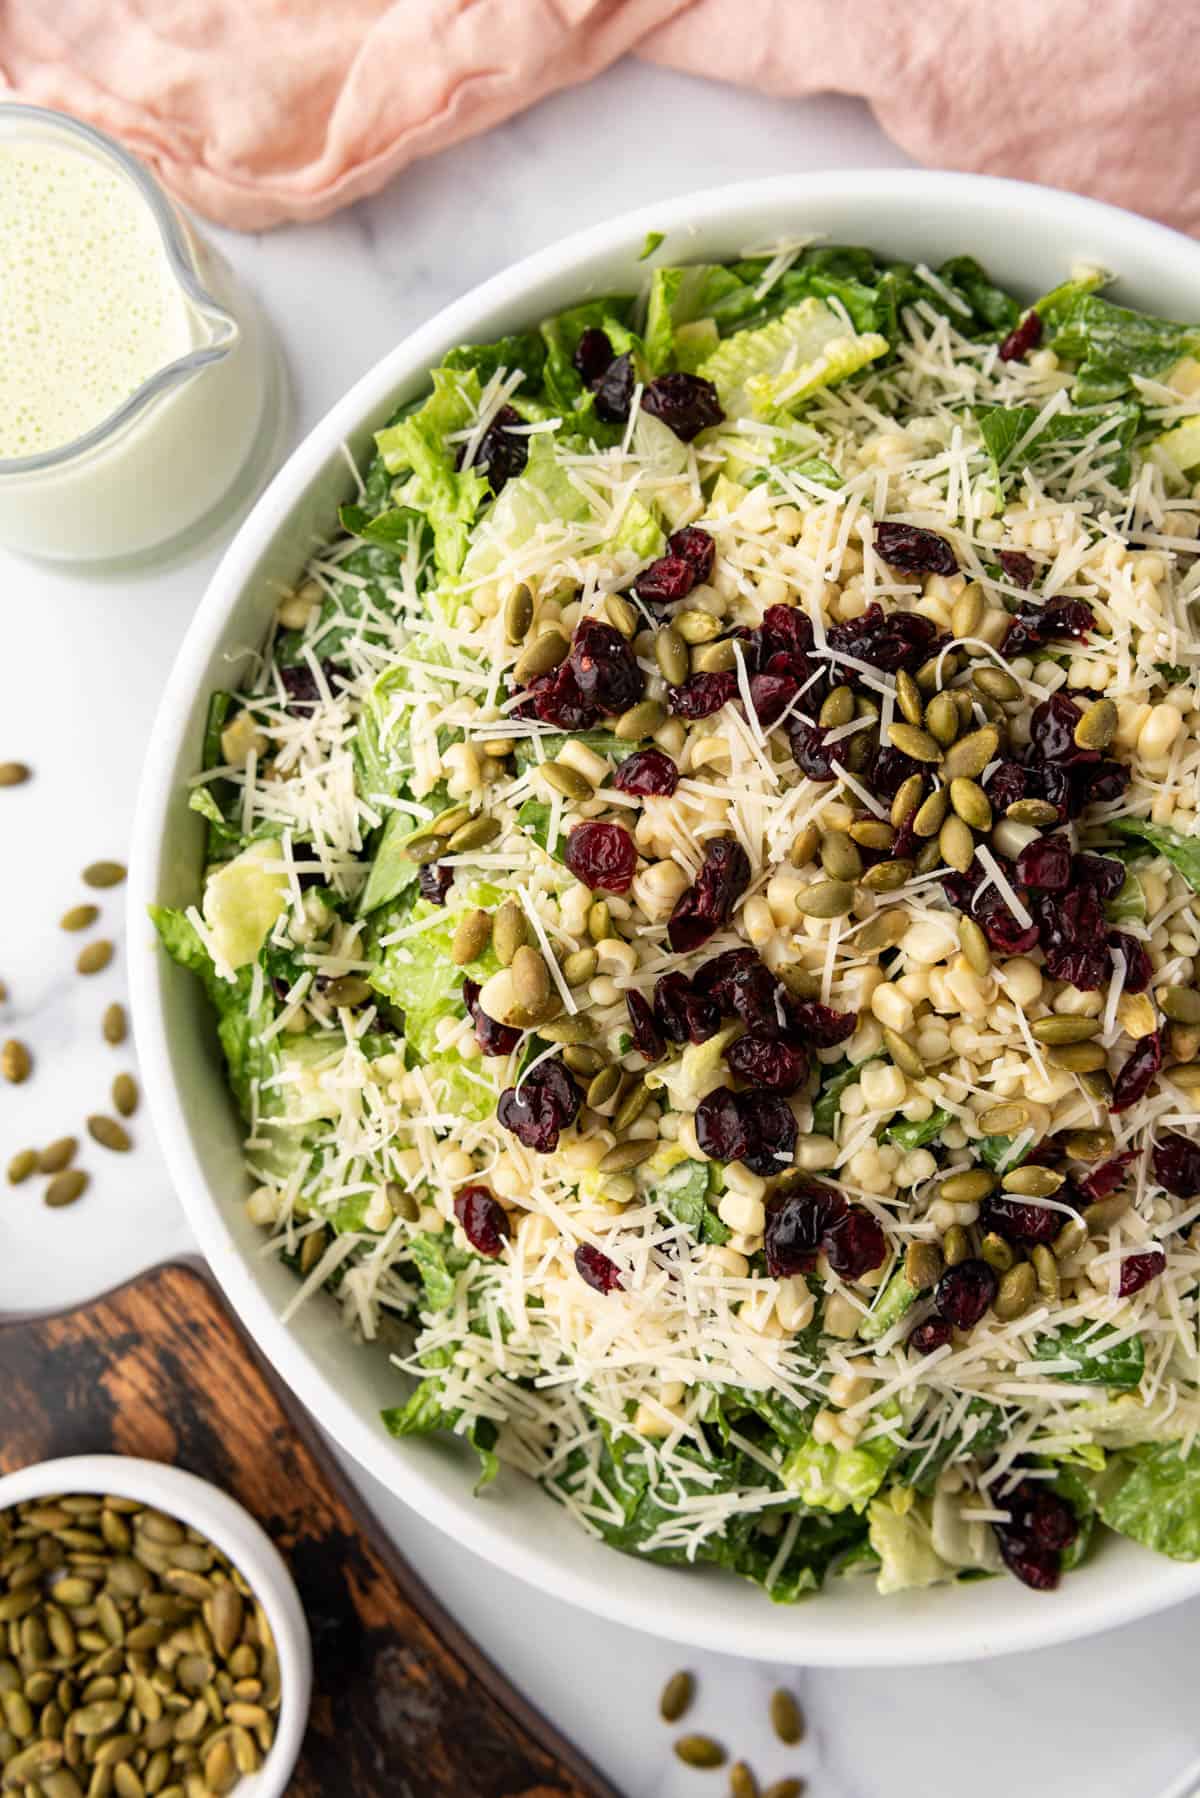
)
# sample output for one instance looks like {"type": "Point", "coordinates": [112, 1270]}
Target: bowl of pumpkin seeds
{"type": "Point", "coordinates": [152, 1642]}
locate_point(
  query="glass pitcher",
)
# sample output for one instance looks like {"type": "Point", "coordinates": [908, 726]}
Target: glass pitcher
{"type": "Point", "coordinates": [197, 433]}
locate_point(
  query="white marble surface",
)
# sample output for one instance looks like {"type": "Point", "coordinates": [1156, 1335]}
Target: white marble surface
{"type": "Point", "coordinates": [83, 662]}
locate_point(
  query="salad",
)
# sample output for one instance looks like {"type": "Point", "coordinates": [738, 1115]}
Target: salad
{"type": "Point", "coordinates": [702, 908]}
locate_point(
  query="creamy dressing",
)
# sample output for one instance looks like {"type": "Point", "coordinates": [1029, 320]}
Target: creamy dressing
{"type": "Point", "coordinates": [89, 307]}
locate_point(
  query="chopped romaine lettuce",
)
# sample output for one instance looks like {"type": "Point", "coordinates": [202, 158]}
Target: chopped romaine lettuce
{"type": "Point", "coordinates": [1182, 852]}
{"type": "Point", "coordinates": [1152, 1493]}
{"type": "Point", "coordinates": [421, 448]}
{"type": "Point", "coordinates": [1108, 345]}
{"type": "Point", "coordinates": [775, 369]}
{"type": "Point", "coordinates": [1093, 1362]}
{"type": "Point", "coordinates": [243, 900]}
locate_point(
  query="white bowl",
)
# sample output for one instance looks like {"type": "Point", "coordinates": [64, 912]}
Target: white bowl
{"type": "Point", "coordinates": [1028, 237]}
{"type": "Point", "coordinates": [227, 1524]}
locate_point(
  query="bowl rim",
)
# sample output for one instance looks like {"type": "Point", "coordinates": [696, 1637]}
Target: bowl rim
{"type": "Point", "coordinates": [227, 1523]}
{"type": "Point", "coordinates": [1077, 1610]}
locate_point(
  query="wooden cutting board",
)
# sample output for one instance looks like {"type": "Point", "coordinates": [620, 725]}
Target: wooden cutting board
{"type": "Point", "coordinates": [404, 1705]}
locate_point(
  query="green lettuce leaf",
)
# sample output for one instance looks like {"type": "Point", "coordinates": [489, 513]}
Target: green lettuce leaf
{"type": "Point", "coordinates": [392, 871]}
{"type": "Point", "coordinates": [834, 1081]}
{"type": "Point", "coordinates": [239, 1027]}
{"type": "Point", "coordinates": [915, 1136]}
{"type": "Point", "coordinates": [611, 314]}
{"type": "Point", "coordinates": [1152, 1494]}
{"type": "Point", "coordinates": [1182, 852]}
{"type": "Point", "coordinates": [773, 370]}
{"type": "Point", "coordinates": [1004, 427]}
{"type": "Point", "coordinates": [994, 1152]}
{"type": "Point", "coordinates": [418, 974]}
{"type": "Point", "coordinates": [447, 497]}
{"type": "Point", "coordinates": [903, 1540]}
{"type": "Point", "coordinates": [1108, 345]}
{"type": "Point", "coordinates": [894, 1299]}
{"type": "Point", "coordinates": [425, 1415]}
{"type": "Point", "coordinates": [684, 1192]}
{"type": "Point", "coordinates": [1092, 1363]}
{"type": "Point", "coordinates": [1129, 905]}
{"type": "Point", "coordinates": [829, 1478]}
{"type": "Point", "coordinates": [526, 351]}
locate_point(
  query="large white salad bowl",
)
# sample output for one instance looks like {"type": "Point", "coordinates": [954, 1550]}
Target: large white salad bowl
{"type": "Point", "coordinates": [1028, 237]}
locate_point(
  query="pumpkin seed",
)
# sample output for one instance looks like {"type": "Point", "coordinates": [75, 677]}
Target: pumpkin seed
{"type": "Point", "coordinates": [404, 1204]}
{"type": "Point", "coordinates": [599, 922]}
{"type": "Point", "coordinates": [997, 683]}
{"type": "Point", "coordinates": [113, 1026]}
{"type": "Point", "coordinates": [627, 1155]}
{"type": "Point", "coordinates": [104, 874]}
{"type": "Point", "coordinates": [1015, 1293]}
{"type": "Point", "coordinates": [700, 1751]}
{"type": "Point", "coordinates": [471, 938]}
{"type": "Point", "coordinates": [971, 803]}
{"type": "Point", "coordinates": [581, 1060]}
{"type": "Point", "coordinates": [477, 834]}
{"type": "Point", "coordinates": [839, 856]}
{"type": "Point", "coordinates": [837, 708]}
{"type": "Point", "coordinates": [968, 758]}
{"type": "Point", "coordinates": [542, 656]}
{"type": "Point", "coordinates": [1046, 1269]}
{"type": "Point", "coordinates": [883, 931]}
{"type": "Point", "coordinates": [109, 1134]}
{"type": "Point", "coordinates": [1032, 1182]}
{"type": "Point", "coordinates": [1005, 1119]}
{"type": "Point", "coordinates": [1032, 811]}
{"type": "Point", "coordinates": [903, 1054]}
{"type": "Point", "coordinates": [518, 613]}
{"type": "Point", "coordinates": [872, 833]}
{"type": "Point", "coordinates": [530, 978]}
{"type": "Point", "coordinates": [922, 1265]}
{"type": "Point", "coordinates": [804, 846]}
{"type": "Point", "coordinates": [974, 945]}
{"type": "Point", "coordinates": [345, 991]}
{"type": "Point", "coordinates": [14, 774]}
{"type": "Point", "coordinates": [966, 614]}
{"type": "Point", "coordinates": [929, 857]}
{"type": "Point", "coordinates": [695, 626]}
{"type": "Point", "coordinates": [826, 899]}
{"type": "Point", "coordinates": [448, 821]}
{"type": "Point", "coordinates": [1096, 1082]}
{"type": "Point", "coordinates": [713, 658]}
{"type": "Point", "coordinates": [967, 1187]}
{"type": "Point", "coordinates": [79, 917]}
{"type": "Point", "coordinates": [887, 877]}
{"type": "Point", "coordinates": [15, 1062]}
{"type": "Point", "coordinates": [914, 742]}
{"type": "Point", "coordinates": [95, 957]}
{"type": "Point", "coordinates": [956, 844]}
{"type": "Point", "coordinates": [125, 1094]}
{"type": "Point", "coordinates": [908, 797]}
{"type": "Point", "coordinates": [1056, 1030]}
{"type": "Point", "coordinates": [632, 1105]}
{"type": "Point", "coordinates": [1098, 726]}
{"type": "Point", "coordinates": [65, 1188]}
{"type": "Point", "coordinates": [509, 932]}
{"type": "Point", "coordinates": [742, 1783]}
{"type": "Point", "coordinates": [21, 1165]}
{"type": "Point", "coordinates": [1070, 1238]}
{"type": "Point", "coordinates": [786, 1718]}
{"type": "Point", "coordinates": [568, 781]}
{"type": "Point", "coordinates": [931, 815]}
{"type": "Point", "coordinates": [622, 615]}
{"type": "Point", "coordinates": [996, 1252]}
{"type": "Point", "coordinates": [603, 1087]}
{"type": "Point", "coordinates": [676, 1697]}
{"type": "Point", "coordinates": [1088, 1145]}
{"type": "Point", "coordinates": [908, 698]}
{"type": "Point", "coordinates": [937, 671]}
{"type": "Point", "coordinates": [942, 720]}
{"type": "Point", "coordinates": [1179, 1003]}
{"type": "Point", "coordinates": [640, 721]}
{"type": "Point", "coordinates": [670, 652]}
{"type": "Point", "coordinates": [565, 1030]}
{"type": "Point", "coordinates": [28, 1766]}
{"type": "Point", "coordinates": [579, 967]}
{"type": "Point", "coordinates": [1106, 1212]}
{"type": "Point", "coordinates": [1079, 1057]}
{"type": "Point", "coordinates": [785, 1788]}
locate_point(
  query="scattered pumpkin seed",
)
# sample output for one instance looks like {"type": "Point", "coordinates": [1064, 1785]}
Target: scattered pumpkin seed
{"type": "Point", "coordinates": [908, 698]}
{"type": "Point", "coordinates": [887, 877]}
{"type": "Point", "coordinates": [1032, 811]}
{"type": "Point", "coordinates": [967, 1187]}
{"type": "Point", "coordinates": [670, 652]}
{"type": "Point", "coordinates": [1057, 1030]}
{"type": "Point", "coordinates": [785, 1788]}
{"type": "Point", "coordinates": [932, 813]}
{"type": "Point", "coordinates": [1098, 726]}
{"type": "Point", "coordinates": [903, 1054]}
{"type": "Point", "coordinates": [742, 1783]}
{"type": "Point", "coordinates": [914, 742]}
{"type": "Point", "coordinates": [579, 967]}
{"type": "Point", "coordinates": [826, 899]}
{"type": "Point", "coordinates": [1032, 1182]}
{"type": "Point", "coordinates": [937, 671]}
{"type": "Point", "coordinates": [975, 947]}
{"type": "Point", "coordinates": [1179, 1003]}
{"type": "Point", "coordinates": [21, 1165]}
{"type": "Point", "coordinates": [476, 834]}
{"type": "Point", "coordinates": [113, 1025]}
{"type": "Point", "coordinates": [713, 658]}
{"type": "Point", "coordinates": [65, 1188]}
{"type": "Point", "coordinates": [581, 1059]}
{"type": "Point", "coordinates": [996, 1252]}
{"type": "Point", "coordinates": [700, 1751]}
{"type": "Point", "coordinates": [695, 626]}
{"type": "Point", "coordinates": [627, 1155]}
{"type": "Point", "coordinates": [968, 758]}
{"type": "Point", "coordinates": [966, 614]}
{"type": "Point", "coordinates": [883, 931]}
{"type": "Point", "coordinates": [57, 1155]}
{"type": "Point", "coordinates": [956, 844]}
{"type": "Point", "coordinates": [403, 1203]}
{"type": "Point", "coordinates": [1088, 1145]}
{"type": "Point", "coordinates": [599, 922]}
{"type": "Point", "coordinates": [1079, 1057]}
{"type": "Point", "coordinates": [1106, 1212]}
{"type": "Point", "coordinates": [942, 719]}
{"type": "Point", "coordinates": [922, 1265]}
{"type": "Point", "coordinates": [872, 833]}
{"type": "Point", "coordinates": [839, 856]}
{"type": "Point", "coordinates": [530, 979]}
{"type": "Point", "coordinates": [1045, 1268]}
{"type": "Point", "coordinates": [509, 932]}
{"type": "Point", "coordinates": [1070, 1238]}
{"type": "Point", "coordinates": [837, 708]}
{"type": "Point", "coordinates": [997, 683]}
{"type": "Point", "coordinates": [603, 1087]}
{"type": "Point", "coordinates": [518, 613]}
{"type": "Point", "coordinates": [804, 846]}
{"type": "Point", "coordinates": [95, 957]}
{"type": "Point", "coordinates": [15, 1062]}
{"type": "Point", "coordinates": [676, 1696]}
{"type": "Point", "coordinates": [14, 774]}
{"type": "Point", "coordinates": [568, 781]}
{"type": "Point", "coordinates": [640, 721]}
{"type": "Point", "coordinates": [346, 991]}
{"type": "Point", "coordinates": [632, 1105]}
{"type": "Point", "coordinates": [1005, 1119]}
{"type": "Point", "coordinates": [125, 1094]}
{"type": "Point", "coordinates": [104, 874]}
{"type": "Point", "coordinates": [786, 1717]}
{"type": "Point", "coordinates": [929, 857]}
{"type": "Point", "coordinates": [908, 797]}
{"type": "Point", "coordinates": [542, 656]}
{"type": "Point", "coordinates": [80, 917]}
{"type": "Point", "coordinates": [622, 615]}
{"type": "Point", "coordinates": [1015, 1293]}
{"type": "Point", "coordinates": [971, 803]}
{"type": "Point", "coordinates": [109, 1134]}
{"type": "Point", "coordinates": [471, 938]}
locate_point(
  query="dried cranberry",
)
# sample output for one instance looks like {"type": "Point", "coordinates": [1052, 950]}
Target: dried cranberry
{"type": "Point", "coordinates": [1008, 783]}
{"type": "Point", "coordinates": [785, 632]}
{"type": "Point", "coordinates": [965, 1291]}
{"type": "Point", "coordinates": [708, 903]}
{"type": "Point", "coordinates": [767, 1061]}
{"type": "Point", "coordinates": [1073, 935]}
{"type": "Point", "coordinates": [1137, 1075]}
{"type": "Point", "coordinates": [798, 1222]}
{"type": "Point", "coordinates": [889, 641]}
{"type": "Point", "coordinates": [483, 1218]}
{"type": "Point", "coordinates": [771, 695]}
{"type": "Point", "coordinates": [757, 998]}
{"type": "Point", "coordinates": [1103, 873]}
{"type": "Point", "coordinates": [544, 1102]}
{"type": "Point", "coordinates": [696, 547]}
{"type": "Point", "coordinates": [1052, 731]}
{"type": "Point", "coordinates": [1099, 785]}
{"type": "Point", "coordinates": [889, 771]}
{"type": "Point", "coordinates": [1106, 1178]}
{"type": "Point", "coordinates": [605, 668]}
{"type": "Point", "coordinates": [1017, 566]}
{"type": "Point", "coordinates": [683, 1014]}
{"type": "Point", "coordinates": [1003, 931]}
{"type": "Point", "coordinates": [1036, 625]}
{"type": "Point", "coordinates": [646, 1038]}
{"type": "Point", "coordinates": [1177, 1164]}
{"type": "Point", "coordinates": [718, 979]}
{"type": "Point", "coordinates": [434, 882]}
{"type": "Point", "coordinates": [603, 856]}
{"type": "Point", "coordinates": [772, 1132]}
{"type": "Point", "coordinates": [614, 391]}
{"type": "Point", "coordinates": [595, 1267]}
{"type": "Point", "coordinates": [819, 1025]}
{"type": "Point", "coordinates": [933, 1334]}
{"type": "Point", "coordinates": [812, 756]}
{"type": "Point", "coordinates": [1025, 335]}
{"type": "Point", "coordinates": [666, 580]}
{"type": "Point", "coordinates": [688, 404]}
{"type": "Point", "coordinates": [501, 452]}
{"type": "Point", "coordinates": [647, 771]}
{"type": "Point", "coordinates": [1018, 1220]}
{"type": "Point", "coordinates": [1138, 1271]}
{"type": "Point", "coordinates": [721, 1128]}
{"type": "Point", "coordinates": [1139, 969]}
{"type": "Point", "coordinates": [493, 1038]}
{"type": "Point", "coordinates": [908, 547]}
{"type": "Point", "coordinates": [702, 694]}
{"type": "Point", "coordinates": [856, 1244]}
{"type": "Point", "coordinates": [593, 354]}
{"type": "Point", "coordinates": [300, 683]}
{"type": "Point", "coordinates": [555, 698]}
{"type": "Point", "coordinates": [1040, 1526]}
{"type": "Point", "coordinates": [1045, 863]}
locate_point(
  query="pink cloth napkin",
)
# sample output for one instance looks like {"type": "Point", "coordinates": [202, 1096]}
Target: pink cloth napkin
{"type": "Point", "coordinates": [260, 111]}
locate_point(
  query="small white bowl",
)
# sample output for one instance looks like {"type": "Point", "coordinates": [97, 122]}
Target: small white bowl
{"type": "Point", "coordinates": [232, 1529]}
